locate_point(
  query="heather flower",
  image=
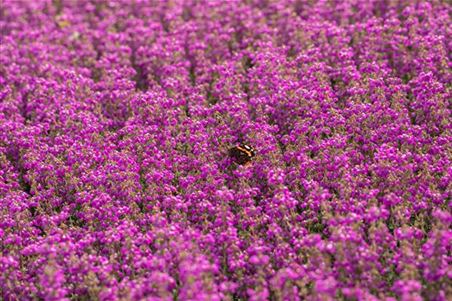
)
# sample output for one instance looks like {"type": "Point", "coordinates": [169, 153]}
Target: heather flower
{"type": "Point", "coordinates": [115, 122]}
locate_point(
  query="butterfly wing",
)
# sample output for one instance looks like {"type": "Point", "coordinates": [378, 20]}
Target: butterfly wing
{"type": "Point", "coordinates": [240, 155]}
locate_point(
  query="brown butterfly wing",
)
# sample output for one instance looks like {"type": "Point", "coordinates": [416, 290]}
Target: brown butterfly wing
{"type": "Point", "coordinates": [239, 155]}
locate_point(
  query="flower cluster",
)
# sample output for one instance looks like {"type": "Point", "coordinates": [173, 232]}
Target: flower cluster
{"type": "Point", "coordinates": [115, 122]}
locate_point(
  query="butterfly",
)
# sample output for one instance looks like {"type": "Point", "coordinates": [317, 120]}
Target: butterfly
{"type": "Point", "coordinates": [242, 153]}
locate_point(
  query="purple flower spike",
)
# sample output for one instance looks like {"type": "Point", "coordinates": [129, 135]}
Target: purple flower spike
{"type": "Point", "coordinates": [225, 150]}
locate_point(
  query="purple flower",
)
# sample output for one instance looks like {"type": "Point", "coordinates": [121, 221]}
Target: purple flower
{"type": "Point", "coordinates": [115, 122]}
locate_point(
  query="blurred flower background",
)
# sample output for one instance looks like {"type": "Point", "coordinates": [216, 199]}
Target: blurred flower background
{"type": "Point", "coordinates": [115, 122]}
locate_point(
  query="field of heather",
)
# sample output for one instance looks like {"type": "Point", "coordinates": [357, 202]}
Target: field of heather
{"type": "Point", "coordinates": [225, 150]}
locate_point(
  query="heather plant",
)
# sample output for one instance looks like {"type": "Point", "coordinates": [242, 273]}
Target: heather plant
{"type": "Point", "coordinates": [116, 118]}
